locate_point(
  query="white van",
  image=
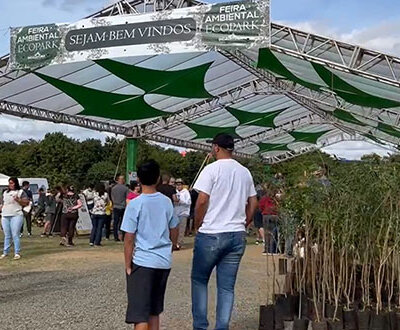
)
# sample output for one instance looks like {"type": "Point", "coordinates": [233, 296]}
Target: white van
{"type": "Point", "coordinates": [35, 185]}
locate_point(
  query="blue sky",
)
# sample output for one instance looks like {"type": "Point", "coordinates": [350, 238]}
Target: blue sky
{"type": "Point", "coordinates": [370, 23]}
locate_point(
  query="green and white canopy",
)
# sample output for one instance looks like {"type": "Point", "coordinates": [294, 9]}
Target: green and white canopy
{"type": "Point", "coordinates": [302, 93]}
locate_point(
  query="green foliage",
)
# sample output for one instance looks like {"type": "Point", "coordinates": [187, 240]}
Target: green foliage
{"type": "Point", "coordinates": [64, 160]}
{"type": "Point", "coordinates": [104, 170]}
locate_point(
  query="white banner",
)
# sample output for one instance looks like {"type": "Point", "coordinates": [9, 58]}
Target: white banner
{"type": "Point", "coordinates": [243, 24]}
{"type": "Point", "coordinates": [84, 224]}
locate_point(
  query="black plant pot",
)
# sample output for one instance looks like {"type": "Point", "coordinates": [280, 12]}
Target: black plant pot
{"type": "Point", "coordinates": [304, 306]}
{"type": "Point", "coordinates": [300, 324]}
{"type": "Point", "coordinates": [319, 325]}
{"type": "Point", "coordinates": [397, 320]}
{"type": "Point", "coordinates": [285, 307]}
{"type": "Point", "coordinates": [335, 325]}
{"type": "Point", "coordinates": [350, 320]}
{"type": "Point", "coordinates": [266, 318]}
{"type": "Point", "coordinates": [379, 322]}
{"type": "Point", "coordinates": [393, 322]}
{"type": "Point", "coordinates": [278, 318]}
{"type": "Point", "coordinates": [363, 319]}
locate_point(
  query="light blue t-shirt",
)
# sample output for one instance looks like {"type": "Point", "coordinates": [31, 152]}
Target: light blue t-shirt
{"type": "Point", "coordinates": [149, 217]}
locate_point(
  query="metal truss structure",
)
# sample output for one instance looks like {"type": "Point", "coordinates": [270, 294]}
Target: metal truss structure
{"type": "Point", "coordinates": [126, 7]}
{"type": "Point", "coordinates": [336, 54]}
{"type": "Point", "coordinates": [323, 142]}
{"type": "Point", "coordinates": [329, 52]}
{"type": "Point", "coordinates": [23, 111]}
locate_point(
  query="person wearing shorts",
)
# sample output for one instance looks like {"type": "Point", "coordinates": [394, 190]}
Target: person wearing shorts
{"type": "Point", "coordinates": [151, 229]}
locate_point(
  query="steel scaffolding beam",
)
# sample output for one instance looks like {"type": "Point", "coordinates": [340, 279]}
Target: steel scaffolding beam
{"type": "Point", "coordinates": [323, 142]}
{"type": "Point", "coordinates": [126, 7]}
{"type": "Point", "coordinates": [22, 111]}
{"type": "Point", "coordinates": [336, 54]}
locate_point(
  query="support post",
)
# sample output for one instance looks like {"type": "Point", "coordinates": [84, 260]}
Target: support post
{"type": "Point", "coordinates": [131, 158]}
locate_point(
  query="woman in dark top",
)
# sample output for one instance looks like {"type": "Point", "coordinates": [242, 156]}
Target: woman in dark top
{"type": "Point", "coordinates": [69, 217]}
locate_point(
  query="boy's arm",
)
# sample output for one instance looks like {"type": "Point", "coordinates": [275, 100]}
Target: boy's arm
{"type": "Point", "coordinates": [173, 234]}
{"type": "Point", "coordinates": [129, 242]}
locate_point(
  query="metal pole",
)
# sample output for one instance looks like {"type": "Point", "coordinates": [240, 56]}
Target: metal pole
{"type": "Point", "coordinates": [131, 158]}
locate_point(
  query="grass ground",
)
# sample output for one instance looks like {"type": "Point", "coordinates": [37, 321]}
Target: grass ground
{"type": "Point", "coordinates": [54, 287]}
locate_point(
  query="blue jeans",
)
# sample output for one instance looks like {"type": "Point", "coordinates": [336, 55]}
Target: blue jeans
{"type": "Point", "coordinates": [224, 251]}
{"type": "Point", "coordinates": [97, 227]}
{"type": "Point", "coordinates": [271, 233]}
{"type": "Point", "coordinates": [12, 227]}
{"type": "Point", "coordinates": [118, 215]}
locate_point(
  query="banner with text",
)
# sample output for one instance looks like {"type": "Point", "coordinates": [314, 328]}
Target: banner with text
{"type": "Point", "coordinates": [241, 24]}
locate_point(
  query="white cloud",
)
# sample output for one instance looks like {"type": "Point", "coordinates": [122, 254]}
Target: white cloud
{"type": "Point", "coordinates": [72, 5]}
{"type": "Point", "coordinates": [354, 150]}
{"type": "Point", "coordinates": [383, 37]}
{"type": "Point", "coordinates": [18, 129]}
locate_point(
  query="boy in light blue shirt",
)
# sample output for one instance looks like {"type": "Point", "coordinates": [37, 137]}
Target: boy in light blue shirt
{"type": "Point", "coordinates": [150, 225]}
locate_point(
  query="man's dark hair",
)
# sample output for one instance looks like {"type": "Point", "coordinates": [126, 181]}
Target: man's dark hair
{"type": "Point", "coordinates": [149, 172]}
{"type": "Point", "coordinates": [25, 183]}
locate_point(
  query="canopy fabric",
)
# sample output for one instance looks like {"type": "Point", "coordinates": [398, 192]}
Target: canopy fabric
{"type": "Point", "coordinates": [193, 96]}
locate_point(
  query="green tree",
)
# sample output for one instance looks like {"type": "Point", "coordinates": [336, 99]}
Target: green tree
{"type": "Point", "coordinates": [100, 171]}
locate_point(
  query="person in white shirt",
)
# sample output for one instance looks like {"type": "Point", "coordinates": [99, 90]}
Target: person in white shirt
{"type": "Point", "coordinates": [182, 209]}
{"type": "Point", "coordinates": [89, 196]}
{"type": "Point", "coordinates": [225, 207]}
{"type": "Point", "coordinates": [13, 200]}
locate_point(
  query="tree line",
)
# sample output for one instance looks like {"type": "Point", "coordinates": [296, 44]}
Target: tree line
{"type": "Point", "coordinates": [64, 160]}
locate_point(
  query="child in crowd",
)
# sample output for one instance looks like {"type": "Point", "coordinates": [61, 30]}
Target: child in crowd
{"type": "Point", "coordinates": [50, 212]}
{"type": "Point", "coordinates": [150, 225]}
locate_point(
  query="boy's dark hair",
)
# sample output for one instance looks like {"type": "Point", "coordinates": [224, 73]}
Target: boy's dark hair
{"type": "Point", "coordinates": [25, 183]}
{"type": "Point", "coordinates": [149, 172]}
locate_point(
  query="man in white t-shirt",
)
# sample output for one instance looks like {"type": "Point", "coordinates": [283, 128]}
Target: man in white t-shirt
{"type": "Point", "coordinates": [225, 206]}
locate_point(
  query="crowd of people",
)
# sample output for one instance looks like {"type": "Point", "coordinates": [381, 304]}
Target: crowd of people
{"type": "Point", "coordinates": [152, 218]}
{"type": "Point", "coordinates": [153, 215]}
{"type": "Point", "coordinates": [58, 210]}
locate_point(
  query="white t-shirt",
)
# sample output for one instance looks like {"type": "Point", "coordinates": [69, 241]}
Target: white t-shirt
{"type": "Point", "coordinates": [10, 206]}
{"type": "Point", "coordinates": [229, 185]}
{"type": "Point", "coordinates": [182, 209]}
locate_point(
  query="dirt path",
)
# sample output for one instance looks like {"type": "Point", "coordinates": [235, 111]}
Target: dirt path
{"type": "Point", "coordinates": [84, 288]}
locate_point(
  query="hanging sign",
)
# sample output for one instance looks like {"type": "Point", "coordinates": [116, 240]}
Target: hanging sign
{"type": "Point", "coordinates": [84, 223]}
{"type": "Point", "coordinates": [240, 24]}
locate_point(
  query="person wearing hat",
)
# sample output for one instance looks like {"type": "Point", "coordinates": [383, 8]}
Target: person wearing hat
{"type": "Point", "coordinates": [182, 209]}
{"type": "Point", "coordinates": [224, 208]}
